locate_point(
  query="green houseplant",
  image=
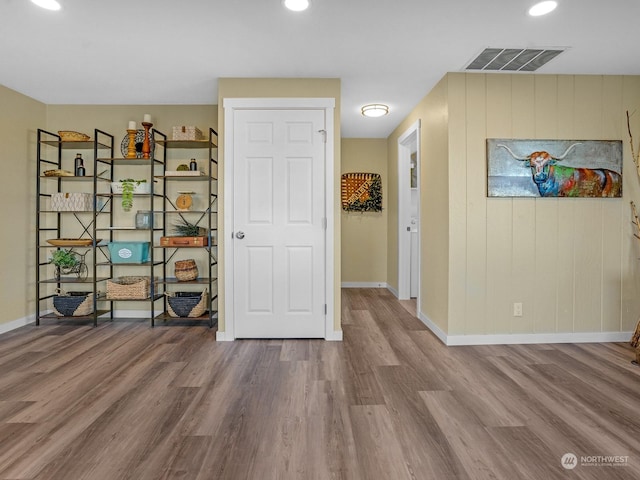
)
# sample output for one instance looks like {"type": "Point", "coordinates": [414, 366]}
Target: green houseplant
{"type": "Point", "coordinates": [187, 229]}
{"type": "Point", "coordinates": [128, 187]}
{"type": "Point", "coordinates": [65, 261]}
{"type": "Point", "coordinates": [186, 234]}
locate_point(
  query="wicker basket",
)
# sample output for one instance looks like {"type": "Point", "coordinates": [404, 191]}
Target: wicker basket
{"type": "Point", "coordinates": [71, 136]}
{"type": "Point", "coordinates": [73, 304]}
{"type": "Point", "coordinates": [187, 304]}
{"type": "Point", "coordinates": [186, 270]}
{"type": "Point", "coordinates": [128, 288]}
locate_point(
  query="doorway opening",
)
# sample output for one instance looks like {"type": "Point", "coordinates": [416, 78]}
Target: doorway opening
{"type": "Point", "coordinates": [409, 214]}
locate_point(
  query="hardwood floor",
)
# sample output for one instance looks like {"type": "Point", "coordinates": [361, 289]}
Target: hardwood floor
{"type": "Point", "coordinates": [125, 401]}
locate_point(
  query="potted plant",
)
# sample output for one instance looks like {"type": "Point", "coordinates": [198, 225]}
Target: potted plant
{"type": "Point", "coordinates": [186, 234]}
{"type": "Point", "coordinates": [187, 229]}
{"type": "Point", "coordinates": [127, 187]}
{"type": "Point", "coordinates": [65, 261]}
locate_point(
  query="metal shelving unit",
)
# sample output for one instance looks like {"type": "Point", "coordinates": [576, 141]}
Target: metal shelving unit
{"type": "Point", "coordinates": [205, 217]}
{"type": "Point", "coordinates": [153, 166]}
{"type": "Point", "coordinates": [52, 224]}
{"type": "Point", "coordinates": [98, 224]}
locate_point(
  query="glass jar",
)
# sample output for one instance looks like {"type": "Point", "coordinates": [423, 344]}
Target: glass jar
{"type": "Point", "coordinates": [143, 219]}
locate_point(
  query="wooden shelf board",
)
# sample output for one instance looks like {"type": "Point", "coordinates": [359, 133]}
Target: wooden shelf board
{"type": "Point", "coordinates": [71, 144]}
{"type": "Point", "coordinates": [197, 281]}
{"type": "Point", "coordinates": [75, 178]}
{"type": "Point", "coordinates": [67, 211]}
{"type": "Point", "coordinates": [185, 177]}
{"type": "Point", "coordinates": [53, 316]}
{"type": "Point", "coordinates": [157, 297]}
{"type": "Point", "coordinates": [145, 264]}
{"type": "Point", "coordinates": [201, 212]}
{"type": "Point", "coordinates": [186, 321]}
{"type": "Point", "coordinates": [183, 246]}
{"type": "Point", "coordinates": [187, 143]}
{"type": "Point", "coordinates": [130, 161]}
{"type": "Point", "coordinates": [75, 280]}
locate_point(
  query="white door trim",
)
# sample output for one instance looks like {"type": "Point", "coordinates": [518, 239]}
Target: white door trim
{"type": "Point", "coordinates": [411, 135]}
{"type": "Point", "coordinates": [230, 105]}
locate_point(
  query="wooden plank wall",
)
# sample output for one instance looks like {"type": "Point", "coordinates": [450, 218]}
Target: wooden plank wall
{"type": "Point", "coordinates": [573, 263]}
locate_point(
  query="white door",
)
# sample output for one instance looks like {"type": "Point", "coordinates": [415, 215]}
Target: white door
{"type": "Point", "coordinates": [278, 224]}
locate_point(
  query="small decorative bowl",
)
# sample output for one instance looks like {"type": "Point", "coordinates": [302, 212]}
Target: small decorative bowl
{"type": "Point", "coordinates": [70, 136]}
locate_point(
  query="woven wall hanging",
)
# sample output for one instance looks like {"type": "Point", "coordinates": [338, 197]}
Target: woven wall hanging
{"type": "Point", "coordinates": [361, 192]}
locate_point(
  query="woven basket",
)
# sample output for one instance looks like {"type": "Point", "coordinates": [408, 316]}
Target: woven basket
{"type": "Point", "coordinates": [187, 304]}
{"type": "Point", "coordinates": [128, 288]}
{"type": "Point", "coordinates": [71, 136]}
{"type": "Point", "coordinates": [73, 304]}
{"type": "Point", "coordinates": [635, 339]}
{"type": "Point", "coordinates": [186, 270]}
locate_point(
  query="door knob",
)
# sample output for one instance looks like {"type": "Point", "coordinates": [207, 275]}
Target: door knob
{"type": "Point", "coordinates": [239, 235]}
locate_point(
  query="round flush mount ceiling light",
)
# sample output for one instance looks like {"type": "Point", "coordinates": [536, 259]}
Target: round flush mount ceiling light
{"type": "Point", "coordinates": [375, 110]}
{"type": "Point", "coordinates": [48, 4]}
{"type": "Point", "coordinates": [296, 5]}
{"type": "Point", "coordinates": [543, 8]}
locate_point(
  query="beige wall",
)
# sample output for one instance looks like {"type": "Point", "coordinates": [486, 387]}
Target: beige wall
{"type": "Point", "coordinates": [434, 204]}
{"type": "Point", "coordinates": [364, 234]}
{"type": "Point", "coordinates": [282, 88]}
{"type": "Point", "coordinates": [114, 119]}
{"type": "Point", "coordinates": [20, 119]}
{"type": "Point", "coordinates": [571, 262]}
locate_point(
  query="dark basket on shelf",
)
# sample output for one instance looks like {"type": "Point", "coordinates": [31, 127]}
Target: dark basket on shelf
{"type": "Point", "coordinates": [73, 304]}
{"type": "Point", "coordinates": [187, 304]}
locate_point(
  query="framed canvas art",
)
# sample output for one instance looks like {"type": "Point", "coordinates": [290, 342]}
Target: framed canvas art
{"type": "Point", "coordinates": [554, 168]}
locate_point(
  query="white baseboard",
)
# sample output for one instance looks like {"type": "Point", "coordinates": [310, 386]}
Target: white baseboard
{"type": "Point", "coordinates": [524, 338]}
{"type": "Point", "coordinates": [223, 337]}
{"type": "Point", "coordinates": [437, 331]}
{"type": "Point", "coordinates": [334, 336]}
{"type": "Point", "coordinates": [394, 291]}
{"type": "Point", "coordinates": [31, 319]}
{"type": "Point", "coordinates": [527, 338]}
{"type": "Point", "coordinates": [364, 285]}
{"type": "Point", "coordinates": [21, 322]}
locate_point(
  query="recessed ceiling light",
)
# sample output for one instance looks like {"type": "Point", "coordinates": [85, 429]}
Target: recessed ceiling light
{"type": "Point", "coordinates": [543, 8]}
{"type": "Point", "coordinates": [48, 4]}
{"type": "Point", "coordinates": [296, 5]}
{"type": "Point", "coordinates": [375, 110]}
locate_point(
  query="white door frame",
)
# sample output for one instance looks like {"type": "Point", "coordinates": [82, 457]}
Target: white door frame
{"type": "Point", "coordinates": [230, 105]}
{"type": "Point", "coordinates": [410, 137]}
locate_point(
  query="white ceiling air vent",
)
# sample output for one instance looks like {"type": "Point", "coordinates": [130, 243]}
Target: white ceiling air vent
{"type": "Point", "coordinates": [513, 59]}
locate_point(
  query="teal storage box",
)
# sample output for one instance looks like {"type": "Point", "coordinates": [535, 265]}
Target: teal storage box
{"type": "Point", "coordinates": [129, 252]}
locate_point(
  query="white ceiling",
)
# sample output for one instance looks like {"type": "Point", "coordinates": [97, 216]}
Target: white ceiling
{"type": "Point", "coordinates": [384, 51]}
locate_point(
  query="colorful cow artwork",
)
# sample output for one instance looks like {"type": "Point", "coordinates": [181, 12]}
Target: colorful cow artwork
{"type": "Point", "coordinates": [595, 173]}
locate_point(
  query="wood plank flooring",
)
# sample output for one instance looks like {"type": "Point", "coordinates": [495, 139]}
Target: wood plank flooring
{"type": "Point", "coordinates": [390, 402]}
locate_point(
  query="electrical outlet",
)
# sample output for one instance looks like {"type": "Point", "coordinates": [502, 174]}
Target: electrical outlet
{"type": "Point", "coordinates": [517, 309]}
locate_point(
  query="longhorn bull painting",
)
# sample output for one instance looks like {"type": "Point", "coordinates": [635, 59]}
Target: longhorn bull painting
{"type": "Point", "coordinates": [554, 168]}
